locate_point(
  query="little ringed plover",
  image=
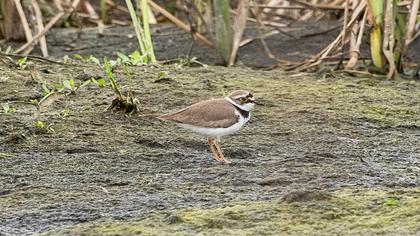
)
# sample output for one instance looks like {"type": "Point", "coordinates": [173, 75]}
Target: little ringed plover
{"type": "Point", "coordinates": [215, 118]}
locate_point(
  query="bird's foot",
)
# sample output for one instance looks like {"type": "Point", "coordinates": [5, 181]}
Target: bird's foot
{"type": "Point", "coordinates": [217, 152]}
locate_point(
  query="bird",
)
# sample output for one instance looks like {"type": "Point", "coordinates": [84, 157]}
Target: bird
{"type": "Point", "coordinates": [215, 118]}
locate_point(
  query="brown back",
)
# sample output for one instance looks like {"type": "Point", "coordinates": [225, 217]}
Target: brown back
{"type": "Point", "coordinates": [216, 113]}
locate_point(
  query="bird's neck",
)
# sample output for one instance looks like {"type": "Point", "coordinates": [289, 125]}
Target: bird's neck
{"type": "Point", "coordinates": [243, 110]}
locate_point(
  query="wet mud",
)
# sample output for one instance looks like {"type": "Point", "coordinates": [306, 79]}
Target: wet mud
{"type": "Point", "coordinates": [88, 169]}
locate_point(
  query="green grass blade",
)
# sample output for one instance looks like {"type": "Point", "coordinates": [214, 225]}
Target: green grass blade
{"type": "Point", "coordinates": [147, 38]}
{"type": "Point", "coordinates": [137, 27]}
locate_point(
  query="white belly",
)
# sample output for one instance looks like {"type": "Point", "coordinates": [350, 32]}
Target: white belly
{"type": "Point", "coordinates": [218, 132]}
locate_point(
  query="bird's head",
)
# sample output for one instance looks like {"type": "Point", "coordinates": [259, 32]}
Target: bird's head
{"type": "Point", "coordinates": [242, 99]}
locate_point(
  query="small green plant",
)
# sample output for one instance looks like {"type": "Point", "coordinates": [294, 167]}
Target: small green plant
{"type": "Point", "coordinates": [21, 63]}
{"type": "Point", "coordinates": [101, 82]}
{"type": "Point", "coordinates": [8, 50]}
{"type": "Point", "coordinates": [43, 127]}
{"type": "Point", "coordinates": [93, 59]}
{"type": "Point", "coordinates": [7, 109]}
{"type": "Point", "coordinates": [34, 102]}
{"type": "Point", "coordinates": [127, 73]}
{"type": "Point", "coordinates": [128, 103]}
{"type": "Point", "coordinates": [134, 59]}
{"type": "Point", "coordinates": [63, 113]}
{"type": "Point", "coordinates": [188, 62]}
{"type": "Point", "coordinates": [80, 57]}
{"type": "Point", "coordinates": [66, 59]}
{"type": "Point", "coordinates": [162, 74]}
{"type": "Point", "coordinates": [45, 88]}
{"type": "Point", "coordinates": [69, 84]}
{"type": "Point", "coordinates": [391, 202]}
{"type": "Point", "coordinates": [86, 59]}
{"type": "Point", "coordinates": [40, 124]}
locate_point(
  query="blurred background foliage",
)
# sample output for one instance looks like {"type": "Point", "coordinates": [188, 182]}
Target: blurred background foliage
{"type": "Point", "coordinates": [388, 25]}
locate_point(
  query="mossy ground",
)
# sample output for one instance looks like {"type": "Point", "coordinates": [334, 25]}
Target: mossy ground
{"type": "Point", "coordinates": [343, 212]}
{"type": "Point", "coordinates": [353, 138]}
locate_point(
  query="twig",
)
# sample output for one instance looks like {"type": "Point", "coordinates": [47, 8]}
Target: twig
{"type": "Point", "coordinates": [179, 23]}
{"type": "Point", "coordinates": [37, 58]}
{"type": "Point", "coordinates": [249, 40]}
{"type": "Point", "coordinates": [40, 34]}
{"type": "Point", "coordinates": [364, 73]}
{"type": "Point", "coordinates": [42, 40]}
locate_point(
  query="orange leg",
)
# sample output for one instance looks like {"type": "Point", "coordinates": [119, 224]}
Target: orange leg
{"type": "Point", "coordinates": [214, 145]}
{"type": "Point", "coordinates": [213, 149]}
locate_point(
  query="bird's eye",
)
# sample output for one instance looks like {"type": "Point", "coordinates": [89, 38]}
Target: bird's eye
{"type": "Point", "coordinates": [242, 100]}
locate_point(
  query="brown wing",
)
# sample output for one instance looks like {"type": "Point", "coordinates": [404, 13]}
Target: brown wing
{"type": "Point", "coordinates": [216, 113]}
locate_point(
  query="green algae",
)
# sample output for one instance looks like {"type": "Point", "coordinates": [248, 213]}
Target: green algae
{"type": "Point", "coordinates": [390, 115]}
{"type": "Point", "coordinates": [343, 212]}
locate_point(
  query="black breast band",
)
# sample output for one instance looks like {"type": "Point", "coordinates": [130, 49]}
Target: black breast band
{"type": "Point", "coordinates": [244, 113]}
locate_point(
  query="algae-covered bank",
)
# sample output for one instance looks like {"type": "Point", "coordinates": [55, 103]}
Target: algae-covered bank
{"type": "Point", "coordinates": [320, 156]}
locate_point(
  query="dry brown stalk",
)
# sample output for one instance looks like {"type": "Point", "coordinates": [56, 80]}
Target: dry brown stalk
{"type": "Point", "coordinates": [75, 5]}
{"type": "Point", "coordinates": [323, 7]}
{"type": "Point", "coordinates": [249, 40]}
{"type": "Point", "coordinates": [58, 5]}
{"type": "Point", "coordinates": [262, 39]}
{"type": "Point", "coordinates": [238, 28]}
{"type": "Point", "coordinates": [91, 11]}
{"type": "Point", "coordinates": [10, 28]}
{"type": "Point", "coordinates": [333, 45]}
{"type": "Point", "coordinates": [314, 6]}
{"type": "Point", "coordinates": [40, 24]}
{"type": "Point", "coordinates": [388, 38]}
{"type": "Point", "coordinates": [355, 48]}
{"type": "Point", "coordinates": [40, 34]}
{"type": "Point", "coordinates": [117, 7]}
{"type": "Point", "coordinates": [179, 23]}
{"type": "Point", "coordinates": [414, 37]}
{"type": "Point", "coordinates": [343, 38]}
{"type": "Point", "coordinates": [411, 24]}
{"type": "Point", "coordinates": [269, 23]}
{"type": "Point", "coordinates": [23, 20]}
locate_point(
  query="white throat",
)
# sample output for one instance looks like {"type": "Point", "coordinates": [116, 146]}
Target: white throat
{"type": "Point", "coordinates": [245, 107]}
